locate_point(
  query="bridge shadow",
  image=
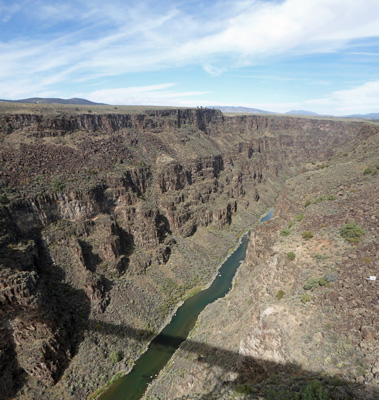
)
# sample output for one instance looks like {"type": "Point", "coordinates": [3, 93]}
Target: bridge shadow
{"type": "Point", "coordinates": [252, 378]}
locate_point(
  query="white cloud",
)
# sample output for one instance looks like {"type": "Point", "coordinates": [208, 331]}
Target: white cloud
{"type": "Point", "coordinates": [144, 95]}
{"type": "Point", "coordinates": [361, 99]}
{"type": "Point", "coordinates": [305, 26]}
{"type": "Point", "coordinates": [112, 40]}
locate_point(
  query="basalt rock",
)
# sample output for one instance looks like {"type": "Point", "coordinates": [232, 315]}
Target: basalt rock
{"type": "Point", "coordinates": [275, 335]}
{"type": "Point", "coordinates": [108, 220]}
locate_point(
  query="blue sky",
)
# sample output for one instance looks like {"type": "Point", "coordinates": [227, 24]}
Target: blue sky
{"type": "Point", "coordinates": [277, 55]}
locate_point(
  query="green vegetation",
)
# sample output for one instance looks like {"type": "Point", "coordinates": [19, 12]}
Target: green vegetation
{"type": "Point", "coordinates": [312, 391]}
{"type": "Point", "coordinates": [307, 235]}
{"type": "Point", "coordinates": [323, 282]}
{"type": "Point", "coordinates": [299, 217]}
{"type": "Point", "coordinates": [280, 294]}
{"type": "Point", "coordinates": [320, 257]}
{"type": "Point", "coordinates": [3, 199]}
{"type": "Point", "coordinates": [115, 356]}
{"type": "Point", "coordinates": [307, 203]}
{"type": "Point", "coordinates": [305, 298]}
{"type": "Point", "coordinates": [285, 232]}
{"type": "Point", "coordinates": [321, 198]}
{"type": "Point", "coordinates": [352, 232]}
{"type": "Point", "coordinates": [367, 171]}
{"type": "Point", "coordinates": [98, 392]}
{"type": "Point", "coordinates": [242, 389]}
{"type": "Point", "coordinates": [311, 284]}
{"type": "Point", "coordinates": [325, 197]}
{"type": "Point", "coordinates": [291, 255]}
{"type": "Point", "coordinates": [57, 185]}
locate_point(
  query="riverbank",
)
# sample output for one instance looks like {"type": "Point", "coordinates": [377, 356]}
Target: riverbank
{"type": "Point", "coordinates": [181, 323]}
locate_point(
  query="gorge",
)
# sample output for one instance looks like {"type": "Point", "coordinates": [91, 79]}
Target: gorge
{"type": "Point", "coordinates": [110, 220]}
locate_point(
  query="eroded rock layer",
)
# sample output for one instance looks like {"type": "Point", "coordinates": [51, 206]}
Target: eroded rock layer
{"type": "Point", "coordinates": [108, 221]}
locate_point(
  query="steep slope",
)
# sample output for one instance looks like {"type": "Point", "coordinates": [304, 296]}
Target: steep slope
{"type": "Point", "coordinates": [302, 319]}
{"type": "Point", "coordinates": [109, 220]}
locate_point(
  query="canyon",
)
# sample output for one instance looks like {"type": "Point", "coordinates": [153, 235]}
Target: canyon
{"type": "Point", "coordinates": [110, 220]}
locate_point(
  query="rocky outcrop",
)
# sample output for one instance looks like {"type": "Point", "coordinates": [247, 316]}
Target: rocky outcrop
{"type": "Point", "coordinates": [154, 120]}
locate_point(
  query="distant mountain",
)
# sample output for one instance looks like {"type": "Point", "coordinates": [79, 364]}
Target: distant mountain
{"type": "Point", "coordinates": [42, 100]}
{"type": "Point", "coordinates": [364, 116]}
{"type": "Point", "coordinates": [240, 110]}
{"type": "Point", "coordinates": [301, 112]}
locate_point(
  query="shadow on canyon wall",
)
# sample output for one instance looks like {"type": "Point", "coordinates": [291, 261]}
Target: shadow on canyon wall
{"type": "Point", "coordinates": [255, 378]}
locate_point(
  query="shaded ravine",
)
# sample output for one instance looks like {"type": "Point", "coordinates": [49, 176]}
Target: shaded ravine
{"type": "Point", "coordinates": [133, 385]}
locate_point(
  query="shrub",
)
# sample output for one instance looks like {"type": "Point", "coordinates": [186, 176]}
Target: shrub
{"type": "Point", "coordinates": [320, 257]}
{"type": "Point", "coordinates": [285, 232]}
{"type": "Point", "coordinates": [352, 232]}
{"type": "Point", "coordinates": [3, 199]}
{"type": "Point", "coordinates": [332, 197]}
{"type": "Point", "coordinates": [299, 217]}
{"type": "Point", "coordinates": [311, 284]}
{"type": "Point", "coordinates": [280, 294]}
{"type": "Point", "coordinates": [321, 198]}
{"type": "Point", "coordinates": [291, 255]}
{"type": "Point", "coordinates": [305, 298]}
{"type": "Point", "coordinates": [242, 389]}
{"type": "Point", "coordinates": [367, 171]}
{"type": "Point", "coordinates": [115, 356]}
{"type": "Point", "coordinates": [307, 235]}
{"type": "Point", "coordinates": [323, 282]}
{"type": "Point", "coordinates": [282, 394]}
{"type": "Point", "coordinates": [307, 203]}
{"type": "Point", "coordinates": [57, 185]}
{"type": "Point", "coordinates": [314, 391]}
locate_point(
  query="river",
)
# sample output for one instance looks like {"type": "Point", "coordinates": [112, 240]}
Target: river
{"type": "Point", "coordinates": [133, 385]}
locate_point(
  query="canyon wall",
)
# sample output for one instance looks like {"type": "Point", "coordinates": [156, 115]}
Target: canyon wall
{"type": "Point", "coordinates": [108, 221]}
{"type": "Point", "coordinates": [302, 318]}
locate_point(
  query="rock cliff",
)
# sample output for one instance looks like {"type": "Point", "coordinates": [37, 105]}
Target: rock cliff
{"type": "Point", "coordinates": [108, 221]}
{"type": "Point", "coordinates": [302, 318]}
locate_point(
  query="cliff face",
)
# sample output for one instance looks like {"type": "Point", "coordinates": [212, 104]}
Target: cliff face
{"type": "Point", "coordinates": [302, 317]}
{"type": "Point", "coordinates": [108, 220]}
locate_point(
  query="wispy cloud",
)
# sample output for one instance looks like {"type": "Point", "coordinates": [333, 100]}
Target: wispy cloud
{"type": "Point", "coordinates": [78, 41]}
{"type": "Point", "coordinates": [360, 99]}
{"type": "Point", "coordinates": [145, 95]}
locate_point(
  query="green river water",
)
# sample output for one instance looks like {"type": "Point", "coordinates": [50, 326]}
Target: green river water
{"type": "Point", "coordinates": [133, 385]}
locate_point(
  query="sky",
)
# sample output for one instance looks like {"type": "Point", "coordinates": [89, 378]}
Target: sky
{"type": "Point", "coordinates": [275, 55]}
